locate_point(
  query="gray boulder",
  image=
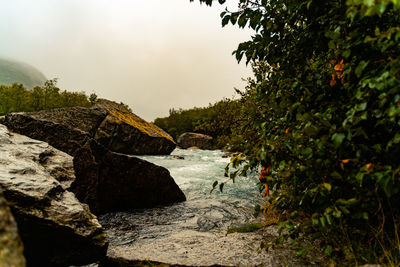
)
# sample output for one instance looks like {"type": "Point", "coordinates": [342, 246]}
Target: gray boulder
{"type": "Point", "coordinates": [110, 181]}
{"type": "Point", "coordinates": [190, 140]}
{"type": "Point", "coordinates": [61, 136]}
{"type": "Point", "coordinates": [11, 247]}
{"type": "Point", "coordinates": [111, 124]}
{"type": "Point", "coordinates": [106, 180]}
{"type": "Point", "coordinates": [56, 229]}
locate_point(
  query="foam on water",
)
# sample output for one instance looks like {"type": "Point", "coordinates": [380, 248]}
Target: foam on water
{"type": "Point", "coordinates": [197, 225]}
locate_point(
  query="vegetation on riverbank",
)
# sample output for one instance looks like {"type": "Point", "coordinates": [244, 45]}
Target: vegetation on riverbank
{"type": "Point", "coordinates": [222, 120]}
{"type": "Point", "coordinates": [17, 98]}
{"type": "Point", "coordinates": [326, 126]}
{"type": "Point", "coordinates": [245, 228]}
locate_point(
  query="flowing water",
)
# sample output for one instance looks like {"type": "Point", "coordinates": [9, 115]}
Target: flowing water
{"type": "Point", "coordinates": [193, 232]}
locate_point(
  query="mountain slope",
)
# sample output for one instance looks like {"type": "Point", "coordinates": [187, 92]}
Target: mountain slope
{"type": "Point", "coordinates": [18, 72]}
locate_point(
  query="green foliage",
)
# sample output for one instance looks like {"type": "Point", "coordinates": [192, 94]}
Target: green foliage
{"type": "Point", "coordinates": [328, 119]}
{"type": "Point", "coordinates": [180, 121]}
{"type": "Point", "coordinates": [16, 98]}
{"type": "Point", "coordinates": [222, 120]}
{"type": "Point", "coordinates": [245, 228]}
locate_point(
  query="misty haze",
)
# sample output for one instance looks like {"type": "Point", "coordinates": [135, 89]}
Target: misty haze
{"type": "Point", "coordinates": [152, 55]}
{"type": "Point", "coordinates": [199, 133]}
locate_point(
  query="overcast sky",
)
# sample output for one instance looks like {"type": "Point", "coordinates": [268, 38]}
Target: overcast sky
{"type": "Point", "coordinates": [151, 54]}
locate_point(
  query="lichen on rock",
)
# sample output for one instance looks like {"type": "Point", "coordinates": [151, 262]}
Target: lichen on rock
{"type": "Point", "coordinates": [111, 124]}
{"type": "Point", "coordinates": [121, 114]}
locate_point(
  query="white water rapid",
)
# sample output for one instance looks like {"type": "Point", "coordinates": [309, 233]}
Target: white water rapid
{"type": "Point", "coordinates": [194, 232]}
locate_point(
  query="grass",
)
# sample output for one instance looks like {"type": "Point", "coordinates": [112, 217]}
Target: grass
{"type": "Point", "coordinates": [245, 228]}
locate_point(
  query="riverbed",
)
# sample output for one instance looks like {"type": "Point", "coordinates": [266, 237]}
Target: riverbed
{"type": "Point", "coordinates": [195, 232]}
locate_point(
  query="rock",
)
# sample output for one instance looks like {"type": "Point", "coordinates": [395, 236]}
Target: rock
{"type": "Point", "coordinates": [202, 141]}
{"type": "Point", "coordinates": [121, 262]}
{"type": "Point", "coordinates": [56, 229]}
{"type": "Point", "coordinates": [11, 247]}
{"type": "Point", "coordinates": [58, 135]}
{"type": "Point", "coordinates": [124, 132]}
{"type": "Point", "coordinates": [106, 181]}
{"type": "Point", "coordinates": [111, 124]}
{"type": "Point", "coordinates": [109, 181]}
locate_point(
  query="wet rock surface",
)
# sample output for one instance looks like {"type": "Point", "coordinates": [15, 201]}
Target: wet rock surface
{"type": "Point", "coordinates": [109, 181]}
{"type": "Point", "coordinates": [11, 248]}
{"type": "Point", "coordinates": [56, 229]}
{"type": "Point", "coordinates": [190, 248]}
{"type": "Point", "coordinates": [193, 234]}
{"type": "Point", "coordinates": [188, 140]}
{"type": "Point", "coordinates": [111, 124]}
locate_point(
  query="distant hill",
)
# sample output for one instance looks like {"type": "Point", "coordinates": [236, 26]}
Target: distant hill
{"type": "Point", "coordinates": [18, 72]}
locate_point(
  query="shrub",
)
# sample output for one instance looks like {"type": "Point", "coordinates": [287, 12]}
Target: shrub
{"type": "Point", "coordinates": [329, 128]}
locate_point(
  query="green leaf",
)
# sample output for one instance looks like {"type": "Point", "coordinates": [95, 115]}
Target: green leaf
{"type": "Point", "coordinates": [337, 139]}
{"type": "Point", "coordinates": [242, 21]}
{"type": "Point", "coordinates": [368, 3]}
{"type": "Point", "coordinates": [307, 152]}
{"type": "Point", "coordinates": [282, 165]}
{"type": "Point", "coordinates": [381, 7]}
{"type": "Point", "coordinates": [361, 106]}
{"type": "Point", "coordinates": [309, 3]}
{"type": "Point", "coordinates": [226, 20]}
{"type": "Point", "coordinates": [327, 186]}
{"type": "Point", "coordinates": [361, 66]}
{"type": "Point", "coordinates": [347, 53]}
{"type": "Point", "coordinates": [360, 177]}
{"type": "Point", "coordinates": [348, 202]}
{"type": "Point", "coordinates": [221, 186]}
{"type": "Point", "coordinates": [396, 138]}
{"type": "Point", "coordinates": [328, 250]}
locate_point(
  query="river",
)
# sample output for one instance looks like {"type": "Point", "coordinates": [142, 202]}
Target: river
{"type": "Point", "coordinates": [194, 232]}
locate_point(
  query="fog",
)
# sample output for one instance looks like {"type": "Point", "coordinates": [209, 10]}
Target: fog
{"type": "Point", "coordinates": [152, 55]}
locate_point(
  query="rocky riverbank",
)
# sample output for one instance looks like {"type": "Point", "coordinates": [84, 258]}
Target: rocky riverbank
{"type": "Point", "coordinates": [194, 232]}
{"type": "Point", "coordinates": [54, 194]}
{"type": "Point", "coordinates": [84, 203]}
{"type": "Point", "coordinates": [56, 229]}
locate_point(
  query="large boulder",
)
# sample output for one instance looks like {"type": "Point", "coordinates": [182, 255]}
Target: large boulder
{"type": "Point", "coordinates": [124, 132]}
{"type": "Point", "coordinates": [60, 136]}
{"type": "Point", "coordinates": [110, 181]}
{"type": "Point", "coordinates": [11, 247]}
{"type": "Point", "coordinates": [188, 140]}
{"type": "Point", "coordinates": [56, 229]}
{"type": "Point", "coordinates": [111, 124]}
{"type": "Point", "coordinates": [106, 180]}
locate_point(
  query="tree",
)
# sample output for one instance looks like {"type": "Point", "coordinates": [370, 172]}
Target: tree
{"type": "Point", "coordinates": [17, 98]}
{"type": "Point", "coordinates": [93, 98]}
{"type": "Point", "coordinates": [329, 127]}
